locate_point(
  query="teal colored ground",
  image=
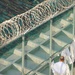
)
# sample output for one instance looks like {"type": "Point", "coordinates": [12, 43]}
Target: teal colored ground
{"type": "Point", "coordinates": [11, 8]}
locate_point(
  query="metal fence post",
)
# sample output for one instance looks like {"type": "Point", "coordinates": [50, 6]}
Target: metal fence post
{"type": "Point", "coordinates": [23, 53]}
{"type": "Point", "coordinates": [73, 31]}
{"type": "Point", "coordinates": [74, 20]}
{"type": "Point", "coordinates": [50, 46]}
{"type": "Point", "coordinates": [23, 50]}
